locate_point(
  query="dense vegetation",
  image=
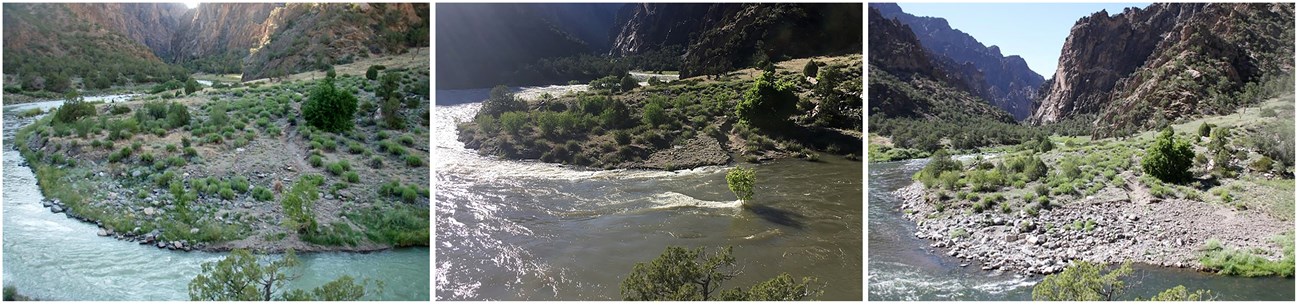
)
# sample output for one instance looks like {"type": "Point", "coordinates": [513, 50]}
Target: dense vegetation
{"type": "Point", "coordinates": [241, 277]}
{"type": "Point", "coordinates": [198, 168]}
{"type": "Point", "coordinates": [618, 124]}
{"type": "Point", "coordinates": [1084, 281]}
{"type": "Point", "coordinates": [679, 274]}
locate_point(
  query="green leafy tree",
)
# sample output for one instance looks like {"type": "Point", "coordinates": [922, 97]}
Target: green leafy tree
{"type": "Point", "coordinates": [1180, 293]}
{"type": "Point", "coordinates": [767, 103]}
{"type": "Point", "coordinates": [388, 85]}
{"type": "Point", "coordinates": [1168, 158]}
{"type": "Point", "coordinates": [298, 204]}
{"type": "Point", "coordinates": [74, 108]}
{"type": "Point", "coordinates": [390, 109]}
{"type": "Point", "coordinates": [1083, 281]}
{"type": "Point", "coordinates": [1220, 152]}
{"type": "Point", "coordinates": [741, 182]}
{"type": "Point", "coordinates": [192, 86]}
{"type": "Point", "coordinates": [810, 69]}
{"type": "Point", "coordinates": [372, 73]}
{"type": "Point", "coordinates": [345, 288]}
{"type": "Point", "coordinates": [653, 114]}
{"type": "Point", "coordinates": [329, 108]}
{"type": "Point", "coordinates": [1204, 130]}
{"type": "Point", "coordinates": [627, 83]}
{"type": "Point", "coordinates": [679, 274]}
{"type": "Point", "coordinates": [501, 100]}
{"type": "Point", "coordinates": [240, 277]}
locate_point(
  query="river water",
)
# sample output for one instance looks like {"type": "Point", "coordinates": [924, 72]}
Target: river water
{"type": "Point", "coordinates": [51, 257]}
{"type": "Point", "coordinates": [902, 267]}
{"type": "Point", "coordinates": [518, 230]}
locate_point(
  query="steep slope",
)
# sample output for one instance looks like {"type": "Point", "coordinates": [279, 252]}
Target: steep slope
{"type": "Point", "coordinates": [478, 44]}
{"type": "Point", "coordinates": [47, 46]}
{"type": "Point", "coordinates": [215, 37]}
{"type": "Point", "coordinates": [647, 27]}
{"type": "Point", "coordinates": [306, 36]}
{"type": "Point", "coordinates": [151, 24]}
{"type": "Point", "coordinates": [1005, 81]}
{"type": "Point", "coordinates": [1183, 59]}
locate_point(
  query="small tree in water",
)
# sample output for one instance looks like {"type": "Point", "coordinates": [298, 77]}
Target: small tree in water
{"type": "Point", "coordinates": [741, 182]}
{"type": "Point", "coordinates": [1084, 281]}
{"type": "Point", "coordinates": [241, 277]}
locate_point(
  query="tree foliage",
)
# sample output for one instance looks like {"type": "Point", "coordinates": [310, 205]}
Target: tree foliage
{"type": "Point", "coordinates": [679, 274]}
{"type": "Point", "coordinates": [1083, 281]}
{"type": "Point", "coordinates": [741, 182]}
{"type": "Point", "coordinates": [372, 73]}
{"type": "Point", "coordinates": [74, 108]}
{"type": "Point", "coordinates": [501, 100]}
{"type": "Point", "coordinates": [240, 277]}
{"type": "Point", "coordinates": [1168, 158]}
{"type": "Point", "coordinates": [810, 69]}
{"type": "Point", "coordinates": [330, 108]}
{"type": "Point", "coordinates": [767, 103]}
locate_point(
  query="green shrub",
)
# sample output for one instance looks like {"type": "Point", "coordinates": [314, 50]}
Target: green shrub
{"type": "Point", "coordinates": [414, 161]}
{"type": "Point", "coordinates": [262, 194]}
{"type": "Point", "coordinates": [653, 114]}
{"type": "Point", "coordinates": [239, 184]}
{"type": "Point", "coordinates": [315, 160]}
{"type": "Point", "coordinates": [1168, 159]}
{"type": "Point", "coordinates": [514, 121]}
{"type": "Point", "coordinates": [330, 108]}
{"type": "Point", "coordinates": [810, 69]}
{"type": "Point", "coordinates": [226, 193]}
{"type": "Point", "coordinates": [352, 177]}
{"type": "Point", "coordinates": [767, 103]}
{"type": "Point", "coordinates": [376, 162]}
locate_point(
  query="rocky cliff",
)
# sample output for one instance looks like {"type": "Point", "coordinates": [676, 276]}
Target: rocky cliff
{"type": "Point", "coordinates": [1178, 58]}
{"type": "Point", "coordinates": [479, 45]}
{"type": "Point", "coordinates": [217, 36]}
{"type": "Point", "coordinates": [306, 36]}
{"type": "Point", "coordinates": [724, 36]}
{"type": "Point", "coordinates": [1005, 81]}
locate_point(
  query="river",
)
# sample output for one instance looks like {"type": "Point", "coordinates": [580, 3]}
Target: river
{"type": "Point", "coordinates": [519, 230]}
{"type": "Point", "coordinates": [902, 267]}
{"type": "Point", "coordinates": [51, 257]}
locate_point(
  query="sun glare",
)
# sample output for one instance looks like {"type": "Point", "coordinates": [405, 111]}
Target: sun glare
{"type": "Point", "coordinates": [191, 4]}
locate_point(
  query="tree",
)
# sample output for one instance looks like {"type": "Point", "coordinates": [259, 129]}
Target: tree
{"type": "Point", "coordinates": [653, 114]}
{"type": "Point", "coordinates": [1220, 152]}
{"type": "Point", "coordinates": [627, 83]}
{"type": "Point", "coordinates": [192, 85]}
{"type": "Point", "coordinates": [74, 108]}
{"type": "Point", "coordinates": [1168, 158]}
{"type": "Point", "coordinates": [1180, 293]}
{"type": "Point", "coordinates": [1204, 130]}
{"type": "Point", "coordinates": [767, 103]}
{"type": "Point", "coordinates": [810, 69]}
{"type": "Point", "coordinates": [388, 85]}
{"type": "Point", "coordinates": [501, 100]}
{"type": "Point", "coordinates": [240, 277]}
{"type": "Point", "coordinates": [58, 82]}
{"type": "Point", "coordinates": [1083, 281]}
{"type": "Point", "coordinates": [390, 110]}
{"type": "Point", "coordinates": [373, 72]}
{"type": "Point", "coordinates": [679, 274]}
{"type": "Point", "coordinates": [345, 288]}
{"type": "Point", "coordinates": [329, 108]}
{"type": "Point", "coordinates": [741, 182]}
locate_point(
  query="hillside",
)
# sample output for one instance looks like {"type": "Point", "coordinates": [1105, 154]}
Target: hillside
{"type": "Point", "coordinates": [243, 166]}
{"type": "Point", "coordinates": [921, 106]}
{"type": "Point", "coordinates": [1187, 60]}
{"type": "Point", "coordinates": [1005, 81]}
{"type": "Point", "coordinates": [97, 46]}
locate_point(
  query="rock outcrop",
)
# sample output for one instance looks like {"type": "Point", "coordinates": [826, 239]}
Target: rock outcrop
{"type": "Point", "coordinates": [1004, 81]}
{"type": "Point", "coordinates": [305, 36]}
{"type": "Point", "coordinates": [1180, 58]}
{"type": "Point", "coordinates": [721, 37]}
{"type": "Point", "coordinates": [216, 29]}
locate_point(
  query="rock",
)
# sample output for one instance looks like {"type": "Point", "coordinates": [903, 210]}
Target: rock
{"type": "Point", "coordinates": [175, 245]}
{"type": "Point", "coordinates": [102, 232]}
{"type": "Point", "coordinates": [136, 173]}
{"type": "Point", "coordinates": [149, 211]}
{"type": "Point", "coordinates": [46, 203]}
{"type": "Point", "coordinates": [1011, 238]}
{"type": "Point", "coordinates": [194, 231]}
{"type": "Point", "coordinates": [161, 245]}
{"type": "Point", "coordinates": [56, 209]}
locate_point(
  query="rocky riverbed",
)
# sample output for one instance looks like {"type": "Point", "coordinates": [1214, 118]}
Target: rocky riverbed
{"type": "Point", "coordinates": [1115, 226]}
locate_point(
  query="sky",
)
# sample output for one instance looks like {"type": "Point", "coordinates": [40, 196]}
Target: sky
{"type": "Point", "coordinates": [1035, 31]}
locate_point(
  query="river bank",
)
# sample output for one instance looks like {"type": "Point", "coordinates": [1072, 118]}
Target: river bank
{"type": "Point", "coordinates": [679, 124]}
{"type": "Point", "coordinates": [208, 171]}
{"type": "Point", "coordinates": [903, 267]}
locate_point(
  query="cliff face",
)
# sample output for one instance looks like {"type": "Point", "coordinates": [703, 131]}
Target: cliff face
{"type": "Point", "coordinates": [907, 82]}
{"type": "Point", "coordinates": [150, 24]}
{"type": "Point", "coordinates": [1004, 81]}
{"type": "Point", "coordinates": [478, 44]}
{"type": "Point", "coordinates": [723, 36]}
{"type": "Point", "coordinates": [219, 28]}
{"type": "Point", "coordinates": [305, 36]}
{"type": "Point", "coordinates": [1178, 59]}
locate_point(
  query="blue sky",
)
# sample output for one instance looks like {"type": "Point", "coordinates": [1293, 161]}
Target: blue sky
{"type": "Point", "coordinates": [1035, 31]}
